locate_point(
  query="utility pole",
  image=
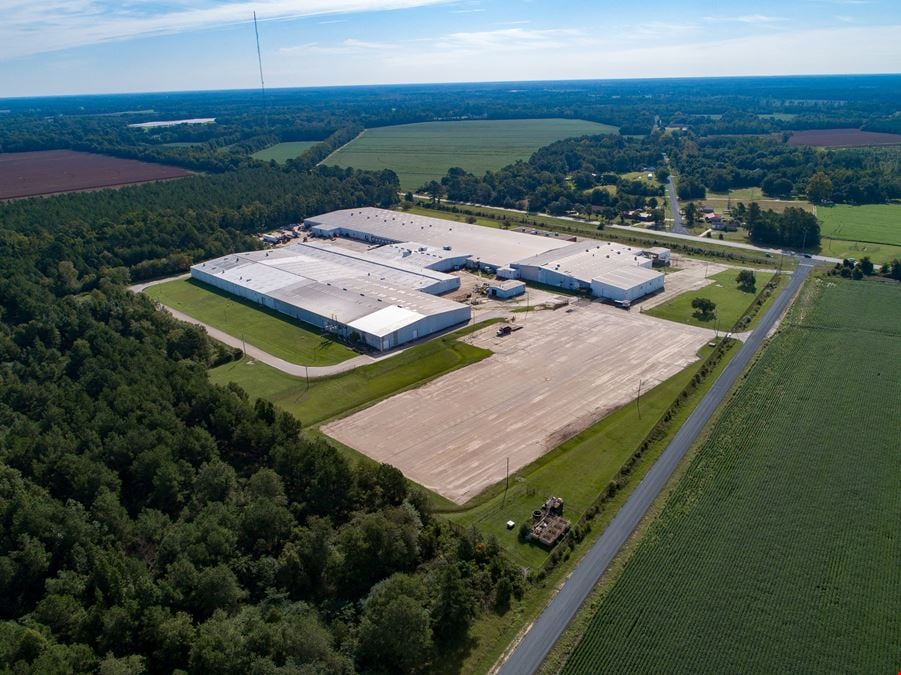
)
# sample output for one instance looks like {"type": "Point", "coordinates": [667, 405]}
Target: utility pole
{"type": "Point", "coordinates": [256, 31]}
{"type": "Point", "coordinates": [638, 399]}
{"type": "Point", "coordinates": [243, 345]}
{"type": "Point", "coordinates": [506, 482]}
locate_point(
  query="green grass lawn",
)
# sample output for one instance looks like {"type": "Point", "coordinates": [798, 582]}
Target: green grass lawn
{"type": "Point", "coordinates": [731, 303]}
{"type": "Point", "coordinates": [261, 327]}
{"type": "Point", "coordinates": [326, 398]}
{"type": "Point", "coordinates": [777, 551]}
{"type": "Point", "coordinates": [282, 152]}
{"type": "Point", "coordinates": [878, 253]}
{"type": "Point", "coordinates": [422, 152]}
{"type": "Point", "coordinates": [577, 470]}
{"type": "Point", "coordinates": [876, 223]}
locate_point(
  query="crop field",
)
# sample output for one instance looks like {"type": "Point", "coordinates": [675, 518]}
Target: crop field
{"type": "Point", "coordinates": [29, 174]}
{"type": "Point", "coordinates": [261, 327]}
{"type": "Point", "coordinates": [837, 138]}
{"type": "Point", "coordinates": [422, 152]}
{"type": "Point", "coordinates": [876, 223]}
{"type": "Point", "coordinates": [778, 550]}
{"type": "Point", "coordinates": [731, 302]}
{"type": "Point", "coordinates": [282, 152]}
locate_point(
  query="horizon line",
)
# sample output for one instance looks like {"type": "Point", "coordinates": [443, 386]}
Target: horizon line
{"type": "Point", "coordinates": [453, 82]}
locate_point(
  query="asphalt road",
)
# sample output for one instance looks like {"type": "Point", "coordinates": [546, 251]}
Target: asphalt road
{"type": "Point", "coordinates": [528, 655]}
{"type": "Point", "coordinates": [678, 228]}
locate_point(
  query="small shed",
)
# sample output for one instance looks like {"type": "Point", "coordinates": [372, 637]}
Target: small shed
{"type": "Point", "coordinates": [504, 290]}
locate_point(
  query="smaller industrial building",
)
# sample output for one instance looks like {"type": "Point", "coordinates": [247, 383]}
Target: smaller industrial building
{"type": "Point", "coordinates": [506, 289]}
{"type": "Point", "coordinates": [356, 295]}
{"type": "Point", "coordinates": [605, 269]}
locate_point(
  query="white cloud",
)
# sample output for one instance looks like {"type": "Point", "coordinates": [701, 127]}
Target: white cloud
{"type": "Point", "coordinates": [348, 46]}
{"type": "Point", "coordinates": [746, 18]}
{"type": "Point", "coordinates": [33, 27]}
{"type": "Point", "coordinates": [508, 39]}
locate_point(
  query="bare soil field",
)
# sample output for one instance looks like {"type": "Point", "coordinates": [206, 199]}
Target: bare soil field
{"type": "Point", "coordinates": [543, 384]}
{"type": "Point", "coordinates": [834, 138]}
{"type": "Point", "coordinates": [31, 174]}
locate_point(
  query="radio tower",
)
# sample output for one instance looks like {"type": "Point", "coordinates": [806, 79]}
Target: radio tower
{"type": "Point", "coordinates": [256, 30]}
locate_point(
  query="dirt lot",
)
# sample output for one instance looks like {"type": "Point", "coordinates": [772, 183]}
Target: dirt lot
{"type": "Point", "coordinates": [29, 174]}
{"type": "Point", "coordinates": [544, 383]}
{"type": "Point", "coordinates": [842, 137]}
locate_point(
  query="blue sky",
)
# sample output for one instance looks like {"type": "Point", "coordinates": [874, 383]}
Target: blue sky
{"type": "Point", "coordinates": [87, 46]}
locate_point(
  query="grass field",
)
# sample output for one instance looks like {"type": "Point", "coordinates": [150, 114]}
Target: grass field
{"type": "Point", "coordinates": [731, 303]}
{"type": "Point", "coordinates": [878, 253]}
{"type": "Point", "coordinates": [876, 223]}
{"type": "Point", "coordinates": [282, 152]}
{"type": "Point", "coordinates": [720, 201]}
{"type": "Point", "coordinates": [422, 152]}
{"type": "Point", "coordinates": [778, 549]}
{"type": "Point", "coordinates": [261, 327]}
{"type": "Point", "coordinates": [331, 397]}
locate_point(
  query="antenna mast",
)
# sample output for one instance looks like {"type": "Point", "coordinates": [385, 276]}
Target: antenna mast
{"type": "Point", "coordinates": [256, 31]}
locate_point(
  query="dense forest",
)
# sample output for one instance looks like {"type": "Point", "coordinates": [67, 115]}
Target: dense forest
{"type": "Point", "coordinates": [854, 176]}
{"type": "Point", "coordinates": [153, 521]}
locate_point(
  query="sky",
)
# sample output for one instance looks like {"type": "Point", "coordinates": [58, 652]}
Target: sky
{"type": "Point", "coordinates": [50, 47]}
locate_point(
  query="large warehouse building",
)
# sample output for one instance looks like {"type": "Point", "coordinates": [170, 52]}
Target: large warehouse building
{"type": "Point", "coordinates": [353, 294]}
{"type": "Point", "coordinates": [605, 269]}
{"type": "Point", "coordinates": [385, 296]}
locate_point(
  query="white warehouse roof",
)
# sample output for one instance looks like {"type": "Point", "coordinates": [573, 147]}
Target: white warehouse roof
{"type": "Point", "coordinates": [583, 261]}
{"type": "Point", "coordinates": [340, 285]}
{"type": "Point", "coordinates": [626, 277]}
{"type": "Point", "coordinates": [494, 247]}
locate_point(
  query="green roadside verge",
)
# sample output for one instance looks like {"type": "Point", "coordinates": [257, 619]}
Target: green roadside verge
{"type": "Point", "coordinates": [732, 303]}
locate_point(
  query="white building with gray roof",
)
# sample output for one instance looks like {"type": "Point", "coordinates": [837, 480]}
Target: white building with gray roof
{"type": "Point", "coordinates": [352, 294]}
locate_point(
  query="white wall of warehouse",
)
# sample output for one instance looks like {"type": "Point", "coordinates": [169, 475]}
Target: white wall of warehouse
{"type": "Point", "coordinates": [611, 292]}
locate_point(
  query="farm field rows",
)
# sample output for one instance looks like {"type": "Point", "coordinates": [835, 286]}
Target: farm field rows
{"type": "Point", "coordinates": [422, 152]}
{"type": "Point", "coordinates": [29, 174]}
{"type": "Point", "coordinates": [282, 152]}
{"type": "Point", "coordinates": [877, 223]}
{"type": "Point", "coordinates": [261, 327]}
{"type": "Point", "coordinates": [778, 550]}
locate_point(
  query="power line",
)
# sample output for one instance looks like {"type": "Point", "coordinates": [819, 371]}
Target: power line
{"type": "Point", "coordinates": [256, 31]}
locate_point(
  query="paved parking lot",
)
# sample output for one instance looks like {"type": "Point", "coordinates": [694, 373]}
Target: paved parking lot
{"type": "Point", "coordinates": [544, 383]}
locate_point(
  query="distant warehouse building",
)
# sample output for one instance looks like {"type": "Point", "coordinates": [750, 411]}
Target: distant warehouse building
{"type": "Point", "coordinates": [352, 294]}
{"type": "Point", "coordinates": [483, 247]}
{"type": "Point", "coordinates": [445, 245]}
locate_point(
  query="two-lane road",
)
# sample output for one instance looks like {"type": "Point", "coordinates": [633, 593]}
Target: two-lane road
{"type": "Point", "coordinates": [678, 227]}
{"type": "Point", "coordinates": [528, 655]}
